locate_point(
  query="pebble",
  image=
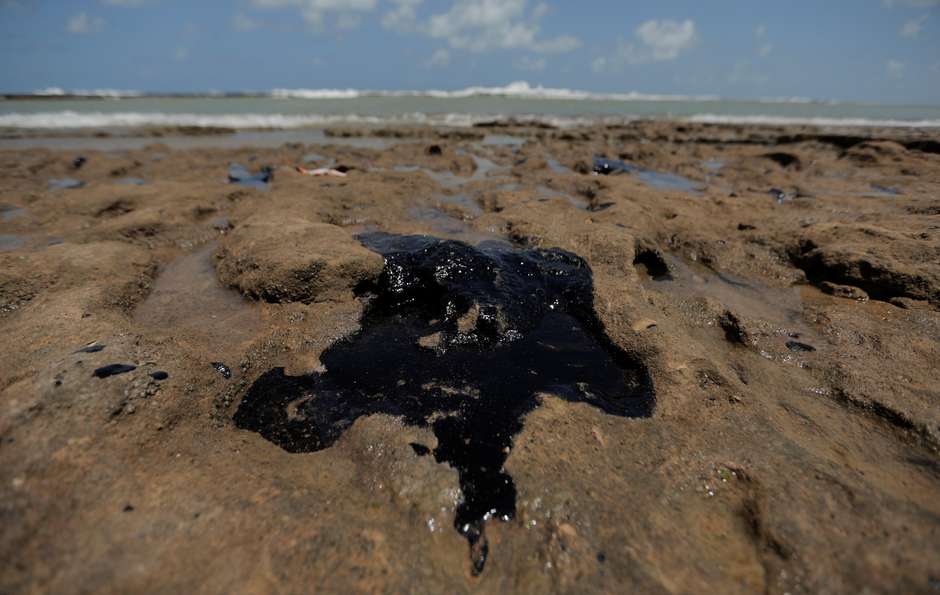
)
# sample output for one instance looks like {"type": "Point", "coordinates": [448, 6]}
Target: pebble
{"type": "Point", "coordinates": [643, 324]}
{"type": "Point", "coordinates": [222, 369]}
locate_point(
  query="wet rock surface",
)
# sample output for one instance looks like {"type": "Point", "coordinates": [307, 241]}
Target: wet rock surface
{"type": "Point", "coordinates": [511, 325]}
{"type": "Point", "coordinates": [793, 347]}
{"type": "Point", "coordinates": [285, 258]}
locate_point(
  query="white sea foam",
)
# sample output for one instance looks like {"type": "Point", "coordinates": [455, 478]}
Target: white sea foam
{"type": "Point", "coordinates": [71, 120]}
{"type": "Point", "coordinates": [103, 93]}
{"type": "Point", "coordinates": [517, 89]}
{"type": "Point", "coordinates": [315, 93]}
{"type": "Point", "coordinates": [829, 122]}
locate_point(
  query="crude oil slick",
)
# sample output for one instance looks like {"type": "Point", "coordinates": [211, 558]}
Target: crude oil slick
{"type": "Point", "coordinates": [462, 340]}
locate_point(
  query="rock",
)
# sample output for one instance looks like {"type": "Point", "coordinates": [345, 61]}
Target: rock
{"type": "Point", "coordinates": [783, 159]}
{"type": "Point", "coordinates": [908, 303]}
{"type": "Point", "coordinates": [643, 324]}
{"type": "Point", "coordinates": [734, 329]}
{"type": "Point", "coordinates": [282, 258]}
{"type": "Point", "coordinates": [844, 291]}
{"type": "Point", "coordinates": [430, 341]}
{"type": "Point", "coordinates": [582, 168]}
{"type": "Point", "coordinates": [874, 151]}
{"type": "Point", "coordinates": [883, 263]}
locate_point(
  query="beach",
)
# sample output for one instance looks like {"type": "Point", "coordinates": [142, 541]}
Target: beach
{"type": "Point", "coordinates": [767, 292]}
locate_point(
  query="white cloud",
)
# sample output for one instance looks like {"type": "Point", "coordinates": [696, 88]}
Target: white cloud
{"type": "Point", "coordinates": [242, 22]}
{"type": "Point", "coordinates": [913, 27]}
{"type": "Point", "coordinates": [659, 41]}
{"type": "Point", "coordinates": [895, 69]}
{"type": "Point", "coordinates": [765, 47]}
{"type": "Point", "coordinates": [82, 24]}
{"type": "Point", "coordinates": [667, 38]}
{"type": "Point", "coordinates": [403, 17]}
{"type": "Point", "coordinates": [317, 13]}
{"type": "Point", "coordinates": [483, 25]}
{"type": "Point", "coordinates": [540, 11]}
{"type": "Point", "coordinates": [530, 64]}
{"type": "Point", "coordinates": [472, 25]}
{"type": "Point", "coordinates": [438, 59]}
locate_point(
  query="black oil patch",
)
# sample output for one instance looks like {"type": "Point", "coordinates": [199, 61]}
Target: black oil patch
{"type": "Point", "coordinates": [93, 348]}
{"type": "Point", "coordinates": [222, 369]}
{"type": "Point", "coordinates": [114, 370]}
{"type": "Point", "coordinates": [800, 347]}
{"type": "Point", "coordinates": [461, 340]}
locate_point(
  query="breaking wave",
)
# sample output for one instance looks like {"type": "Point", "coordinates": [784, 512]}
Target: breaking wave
{"type": "Point", "coordinates": [516, 89]}
{"type": "Point", "coordinates": [60, 120]}
{"type": "Point", "coordinates": [811, 121]}
{"type": "Point", "coordinates": [72, 119]}
{"type": "Point", "coordinates": [519, 89]}
{"type": "Point", "coordinates": [103, 93]}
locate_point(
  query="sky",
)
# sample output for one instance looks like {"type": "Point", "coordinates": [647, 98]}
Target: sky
{"type": "Point", "coordinates": [877, 51]}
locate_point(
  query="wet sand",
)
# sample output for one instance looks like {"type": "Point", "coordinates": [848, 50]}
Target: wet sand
{"type": "Point", "coordinates": [779, 287]}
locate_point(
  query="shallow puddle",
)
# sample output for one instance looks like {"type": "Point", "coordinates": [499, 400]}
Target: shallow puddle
{"type": "Point", "coordinates": [449, 226]}
{"type": "Point", "coordinates": [10, 212]}
{"type": "Point", "coordinates": [549, 193]}
{"type": "Point", "coordinates": [449, 179]}
{"type": "Point", "coordinates": [557, 167]}
{"type": "Point", "coordinates": [663, 181]}
{"type": "Point", "coordinates": [10, 242]}
{"type": "Point", "coordinates": [188, 302]}
{"type": "Point", "coordinates": [502, 140]}
{"type": "Point", "coordinates": [879, 191]}
{"type": "Point", "coordinates": [713, 164]}
{"type": "Point", "coordinates": [464, 201]}
{"type": "Point", "coordinates": [237, 174]}
{"type": "Point", "coordinates": [65, 184]}
{"type": "Point", "coordinates": [131, 182]}
{"type": "Point", "coordinates": [654, 179]}
{"type": "Point", "coordinates": [463, 341]}
{"type": "Point", "coordinates": [782, 307]}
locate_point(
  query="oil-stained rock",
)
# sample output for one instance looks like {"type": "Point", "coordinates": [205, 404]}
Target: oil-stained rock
{"type": "Point", "coordinates": [509, 325]}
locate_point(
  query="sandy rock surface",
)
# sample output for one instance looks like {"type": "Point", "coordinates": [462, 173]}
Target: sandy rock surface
{"type": "Point", "coordinates": [781, 287]}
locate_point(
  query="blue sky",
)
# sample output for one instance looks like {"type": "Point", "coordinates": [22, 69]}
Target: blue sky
{"type": "Point", "coordinates": [861, 50]}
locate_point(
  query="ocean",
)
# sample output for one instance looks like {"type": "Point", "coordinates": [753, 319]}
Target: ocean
{"type": "Point", "coordinates": [56, 109]}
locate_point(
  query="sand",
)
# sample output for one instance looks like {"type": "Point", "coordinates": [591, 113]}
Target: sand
{"type": "Point", "coordinates": [781, 286]}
